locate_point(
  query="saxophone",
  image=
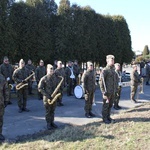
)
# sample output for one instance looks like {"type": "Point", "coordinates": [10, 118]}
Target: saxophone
{"type": "Point", "coordinates": [56, 95]}
{"type": "Point", "coordinates": [22, 85]}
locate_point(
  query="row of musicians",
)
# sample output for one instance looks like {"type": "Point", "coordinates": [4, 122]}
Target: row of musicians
{"type": "Point", "coordinates": [70, 73]}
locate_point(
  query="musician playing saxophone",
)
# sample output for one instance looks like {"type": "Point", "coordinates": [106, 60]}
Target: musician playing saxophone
{"type": "Point", "coordinates": [46, 86]}
{"type": "Point", "coordinates": [60, 72]}
{"type": "Point", "coordinates": [19, 76]}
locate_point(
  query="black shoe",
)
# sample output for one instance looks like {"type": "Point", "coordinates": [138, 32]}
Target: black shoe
{"type": "Point", "coordinates": [2, 138]}
{"type": "Point", "coordinates": [111, 120]}
{"type": "Point", "coordinates": [88, 115]}
{"type": "Point", "coordinates": [60, 104]}
{"type": "Point", "coordinates": [20, 110]}
{"type": "Point", "coordinates": [91, 114]}
{"type": "Point", "coordinates": [133, 101]}
{"type": "Point", "coordinates": [106, 121]}
{"type": "Point", "coordinates": [119, 107]}
{"type": "Point", "coordinates": [9, 103]}
{"type": "Point", "coordinates": [25, 109]}
{"type": "Point", "coordinates": [54, 125]}
{"type": "Point", "coordinates": [49, 127]}
{"type": "Point", "coordinates": [115, 107]}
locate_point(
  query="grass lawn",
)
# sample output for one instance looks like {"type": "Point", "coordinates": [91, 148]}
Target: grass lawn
{"type": "Point", "coordinates": [130, 132]}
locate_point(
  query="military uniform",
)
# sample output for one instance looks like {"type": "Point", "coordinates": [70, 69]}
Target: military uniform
{"type": "Point", "coordinates": [135, 80]}
{"type": "Point", "coordinates": [31, 68]}
{"type": "Point", "coordinates": [60, 72]}
{"type": "Point", "coordinates": [76, 70]}
{"type": "Point", "coordinates": [118, 92]}
{"type": "Point", "coordinates": [70, 77]}
{"type": "Point", "coordinates": [46, 86]}
{"type": "Point", "coordinates": [89, 88]}
{"type": "Point", "coordinates": [108, 81]}
{"type": "Point", "coordinates": [40, 71]}
{"type": "Point", "coordinates": [147, 73]}
{"type": "Point", "coordinates": [4, 99]}
{"type": "Point", "coordinates": [19, 76]}
{"type": "Point", "coordinates": [7, 70]}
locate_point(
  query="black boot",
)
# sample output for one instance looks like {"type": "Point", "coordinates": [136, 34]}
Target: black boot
{"type": "Point", "coordinates": [54, 125]}
{"type": "Point", "coordinates": [115, 107]}
{"type": "Point", "coordinates": [106, 121]}
{"type": "Point", "coordinates": [2, 138]}
{"type": "Point", "coordinates": [91, 114]}
{"type": "Point", "coordinates": [25, 109]}
{"type": "Point", "coordinates": [119, 107]}
{"type": "Point", "coordinates": [20, 110]}
{"type": "Point", "coordinates": [9, 103]}
{"type": "Point", "coordinates": [49, 127]}
{"type": "Point", "coordinates": [60, 104]}
{"type": "Point", "coordinates": [88, 115]}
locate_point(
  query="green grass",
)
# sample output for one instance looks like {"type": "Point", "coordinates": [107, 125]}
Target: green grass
{"type": "Point", "coordinates": [130, 132]}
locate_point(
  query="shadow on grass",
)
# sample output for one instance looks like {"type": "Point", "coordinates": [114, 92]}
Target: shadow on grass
{"type": "Point", "coordinates": [134, 119]}
{"type": "Point", "coordinates": [68, 133]}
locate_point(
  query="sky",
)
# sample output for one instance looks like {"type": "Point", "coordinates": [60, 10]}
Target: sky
{"type": "Point", "coordinates": [136, 13]}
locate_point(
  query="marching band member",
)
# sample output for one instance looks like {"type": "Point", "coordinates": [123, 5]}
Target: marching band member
{"type": "Point", "coordinates": [6, 70]}
{"type": "Point", "coordinates": [119, 87]}
{"type": "Point", "coordinates": [135, 80]}
{"type": "Point", "coordinates": [70, 77]}
{"type": "Point", "coordinates": [4, 99]}
{"type": "Point", "coordinates": [46, 86]}
{"type": "Point", "coordinates": [19, 76]}
{"type": "Point", "coordinates": [89, 88]}
{"type": "Point", "coordinates": [108, 86]}
{"type": "Point", "coordinates": [40, 71]}
{"type": "Point", "coordinates": [60, 72]}
{"type": "Point", "coordinates": [31, 68]}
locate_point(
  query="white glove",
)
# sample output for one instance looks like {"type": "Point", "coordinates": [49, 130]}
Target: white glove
{"type": "Point", "coordinates": [8, 79]}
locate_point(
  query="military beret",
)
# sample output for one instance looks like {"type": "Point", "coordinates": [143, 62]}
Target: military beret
{"type": "Point", "coordinates": [110, 57]}
{"type": "Point", "coordinates": [49, 66]}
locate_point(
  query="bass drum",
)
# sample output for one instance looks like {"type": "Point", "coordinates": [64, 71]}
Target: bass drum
{"type": "Point", "coordinates": [78, 91]}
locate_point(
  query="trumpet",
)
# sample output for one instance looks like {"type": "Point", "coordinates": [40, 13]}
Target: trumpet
{"type": "Point", "coordinates": [22, 85]}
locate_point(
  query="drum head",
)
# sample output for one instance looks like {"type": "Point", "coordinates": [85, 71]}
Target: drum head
{"type": "Point", "coordinates": [78, 91]}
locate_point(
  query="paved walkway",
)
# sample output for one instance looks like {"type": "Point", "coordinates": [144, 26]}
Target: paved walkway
{"type": "Point", "coordinates": [18, 124]}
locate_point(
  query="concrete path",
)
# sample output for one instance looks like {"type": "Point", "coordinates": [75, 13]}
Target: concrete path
{"type": "Point", "coordinates": [26, 123]}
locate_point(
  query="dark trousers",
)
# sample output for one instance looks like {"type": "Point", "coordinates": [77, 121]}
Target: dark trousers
{"type": "Point", "coordinates": [22, 97]}
{"type": "Point", "coordinates": [40, 96]}
{"type": "Point", "coordinates": [88, 102]}
{"type": "Point", "coordinates": [1, 116]}
{"type": "Point", "coordinates": [49, 110]}
{"type": "Point", "coordinates": [133, 91]}
{"type": "Point", "coordinates": [70, 86]}
{"type": "Point", "coordinates": [30, 87]}
{"type": "Point", "coordinates": [117, 96]}
{"type": "Point", "coordinates": [107, 105]}
{"type": "Point", "coordinates": [59, 100]}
